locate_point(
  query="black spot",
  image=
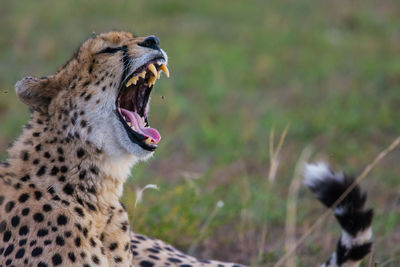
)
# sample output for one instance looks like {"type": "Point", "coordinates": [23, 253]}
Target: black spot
{"type": "Point", "coordinates": [42, 264]}
{"type": "Point", "coordinates": [22, 242]}
{"type": "Point", "coordinates": [92, 190]}
{"type": "Point", "coordinates": [87, 98]}
{"type": "Point", "coordinates": [68, 189]}
{"type": "Point", "coordinates": [17, 186]}
{"type": "Point", "coordinates": [9, 206]}
{"type": "Point", "coordinates": [82, 174]}
{"type": "Point", "coordinates": [60, 151]}
{"type": "Point", "coordinates": [41, 171]}
{"type": "Point", "coordinates": [92, 242]}
{"type": "Point", "coordinates": [42, 232]}
{"type": "Point", "coordinates": [83, 255]}
{"type": "Point", "coordinates": [57, 260]}
{"type": "Point", "coordinates": [37, 252]}
{"type": "Point", "coordinates": [24, 230]}
{"type": "Point", "coordinates": [78, 241]}
{"type": "Point", "coordinates": [85, 231]}
{"type": "Point", "coordinates": [71, 256]}
{"type": "Point", "coordinates": [3, 226]}
{"type": "Point", "coordinates": [47, 242]}
{"type": "Point", "coordinates": [25, 155]}
{"type": "Point", "coordinates": [79, 211]}
{"type": "Point", "coordinates": [83, 123]}
{"type": "Point", "coordinates": [47, 155]}
{"type": "Point", "coordinates": [36, 161]}
{"type": "Point", "coordinates": [38, 195]}
{"type": "Point", "coordinates": [175, 260]}
{"type": "Point", "coordinates": [15, 221]}
{"type": "Point", "coordinates": [36, 134]}
{"type": "Point", "coordinates": [113, 246]}
{"type": "Point", "coordinates": [54, 171]}
{"type": "Point", "coordinates": [95, 259]}
{"type": "Point", "coordinates": [25, 179]}
{"type": "Point", "coordinates": [22, 198]}
{"type": "Point", "coordinates": [25, 211]}
{"type": "Point", "coordinates": [20, 253]}
{"type": "Point", "coordinates": [62, 178]}
{"type": "Point", "coordinates": [6, 236]}
{"type": "Point", "coordinates": [47, 207]}
{"type": "Point", "coordinates": [80, 153]}
{"type": "Point", "coordinates": [153, 250]}
{"type": "Point", "coordinates": [60, 241]}
{"type": "Point", "coordinates": [117, 259]}
{"type": "Point", "coordinates": [38, 217]}
{"type": "Point", "coordinates": [8, 250]}
{"type": "Point", "coordinates": [63, 169]}
{"type": "Point", "coordinates": [94, 170]}
{"type": "Point", "coordinates": [51, 190]}
{"type": "Point", "coordinates": [38, 147]}
{"type": "Point", "coordinates": [68, 234]}
{"type": "Point", "coordinates": [91, 206]}
{"type": "Point", "coordinates": [62, 220]}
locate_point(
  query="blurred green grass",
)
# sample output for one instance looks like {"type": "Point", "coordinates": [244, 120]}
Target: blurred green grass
{"type": "Point", "coordinates": [330, 69]}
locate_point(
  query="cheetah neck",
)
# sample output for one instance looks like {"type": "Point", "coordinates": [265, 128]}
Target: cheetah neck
{"type": "Point", "coordinates": [67, 165]}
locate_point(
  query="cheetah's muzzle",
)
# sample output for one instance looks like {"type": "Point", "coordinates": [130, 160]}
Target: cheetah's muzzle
{"type": "Point", "coordinates": [132, 103]}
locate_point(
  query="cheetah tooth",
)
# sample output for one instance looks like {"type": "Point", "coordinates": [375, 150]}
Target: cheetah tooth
{"type": "Point", "coordinates": [153, 69]}
{"type": "Point", "coordinates": [152, 81]}
{"type": "Point", "coordinates": [148, 140]}
{"type": "Point", "coordinates": [133, 81]}
{"type": "Point", "coordinates": [143, 74]}
{"type": "Point", "coordinates": [165, 69]}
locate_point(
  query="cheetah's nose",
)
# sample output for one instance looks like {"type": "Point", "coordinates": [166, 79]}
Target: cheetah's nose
{"type": "Point", "coordinates": [151, 42]}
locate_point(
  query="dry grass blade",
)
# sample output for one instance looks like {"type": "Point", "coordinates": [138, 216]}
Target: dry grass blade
{"type": "Point", "coordinates": [203, 229]}
{"type": "Point", "coordinates": [274, 154]}
{"type": "Point", "coordinates": [366, 171]}
{"type": "Point", "coordinates": [290, 226]}
{"type": "Point", "coordinates": [139, 192]}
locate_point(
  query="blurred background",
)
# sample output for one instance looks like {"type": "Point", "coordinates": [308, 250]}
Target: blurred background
{"type": "Point", "coordinates": [242, 72]}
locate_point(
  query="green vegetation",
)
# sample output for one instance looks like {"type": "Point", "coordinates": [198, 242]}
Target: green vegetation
{"type": "Point", "coordinates": [329, 69]}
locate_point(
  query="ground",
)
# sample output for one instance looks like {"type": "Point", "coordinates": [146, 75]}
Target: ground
{"type": "Point", "coordinates": [328, 70]}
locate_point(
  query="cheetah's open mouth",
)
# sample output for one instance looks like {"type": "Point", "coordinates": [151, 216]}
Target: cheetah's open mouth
{"type": "Point", "coordinates": [133, 103]}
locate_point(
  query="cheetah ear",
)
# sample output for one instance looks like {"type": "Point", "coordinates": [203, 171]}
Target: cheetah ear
{"type": "Point", "coordinates": [36, 92]}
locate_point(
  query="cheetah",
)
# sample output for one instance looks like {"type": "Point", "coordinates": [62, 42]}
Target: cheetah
{"type": "Point", "coordinates": [61, 185]}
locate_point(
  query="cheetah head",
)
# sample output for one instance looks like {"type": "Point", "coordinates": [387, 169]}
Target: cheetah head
{"type": "Point", "coordinates": [102, 94]}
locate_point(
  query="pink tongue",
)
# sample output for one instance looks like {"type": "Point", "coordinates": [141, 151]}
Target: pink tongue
{"type": "Point", "coordinates": [137, 123]}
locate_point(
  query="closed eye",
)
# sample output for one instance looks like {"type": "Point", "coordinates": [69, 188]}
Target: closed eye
{"type": "Point", "coordinates": [110, 50]}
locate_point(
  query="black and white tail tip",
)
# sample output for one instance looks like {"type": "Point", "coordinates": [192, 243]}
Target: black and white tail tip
{"type": "Point", "coordinates": [327, 185]}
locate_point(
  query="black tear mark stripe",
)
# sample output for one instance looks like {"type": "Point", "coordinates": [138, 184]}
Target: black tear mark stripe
{"type": "Point", "coordinates": [125, 60]}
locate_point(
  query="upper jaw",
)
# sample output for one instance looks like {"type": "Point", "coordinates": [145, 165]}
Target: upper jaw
{"type": "Point", "coordinates": [159, 59]}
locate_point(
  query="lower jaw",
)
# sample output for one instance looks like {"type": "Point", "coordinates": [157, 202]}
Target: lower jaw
{"type": "Point", "coordinates": [135, 137]}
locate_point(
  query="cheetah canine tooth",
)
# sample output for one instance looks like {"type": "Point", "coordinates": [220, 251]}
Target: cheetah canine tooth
{"type": "Point", "coordinates": [153, 69]}
{"type": "Point", "coordinates": [148, 140]}
{"type": "Point", "coordinates": [165, 69]}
